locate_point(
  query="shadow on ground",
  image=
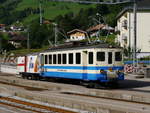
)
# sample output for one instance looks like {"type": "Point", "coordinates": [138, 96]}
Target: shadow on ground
{"type": "Point", "coordinates": [135, 85]}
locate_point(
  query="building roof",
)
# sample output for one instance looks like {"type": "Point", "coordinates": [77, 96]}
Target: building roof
{"type": "Point", "coordinates": [95, 28]}
{"type": "Point", "coordinates": [18, 38]}
{"type": "Point", "coordinates": [70, 46]}
{"type": "Point", "coordinates": [2, 25]}
{"type": "Point", "coordinates": [142, 5]}
{"type": "Point", "coordinates": [76, 30]}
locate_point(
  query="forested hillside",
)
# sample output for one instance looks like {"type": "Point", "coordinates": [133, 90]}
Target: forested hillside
{"type": "Point", "coordinates": [28, 10]}
{"type": "Point", "coordinates": [66, 15]}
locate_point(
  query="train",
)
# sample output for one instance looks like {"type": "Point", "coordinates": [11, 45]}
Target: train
{"type": "Point", "coordinates": [91, 64]}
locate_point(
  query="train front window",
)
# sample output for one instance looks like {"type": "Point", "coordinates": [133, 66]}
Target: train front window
{"type": "Point", "coordinates": [100, 56]}
{"type": "Point", "coordinates": [90, 57]}
{"type": "Point", "coordinates": [118, 56]}
{"type": "Point", "coordinates": [78, 58]}
{"type": "Point", "coordinates": [70, 58]}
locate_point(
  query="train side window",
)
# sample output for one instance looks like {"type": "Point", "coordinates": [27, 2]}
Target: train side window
{"type": "Point", "coordinates": [100, 56]}
{"type": "Point", "coordinates": [59, 58]}
{"type": "Point", "coordinates": [90, 57]}
{"type": "Point", "coordinates": [78, 58]}
{"type": "Point", "coordinates": [70, 58]}
{"type": "Point", "coordinates": [118, 56]}
{"type": "Point", "coordinates": [46, 60]}
{"type": "Point", "coordinates": [110, 57]}
{"type": "Point", "coordinates": [64, 58]}
{"type": "Point", "coordinates": [54, 59]}
{"type": "Point", "coordinates": [50, 59]}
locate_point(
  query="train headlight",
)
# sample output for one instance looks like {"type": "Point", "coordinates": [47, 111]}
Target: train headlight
{"type": "Point", "coordinates": [120, 71]}
{"type": "Point", "coordinates": [110, 69]}
{"type": "Point", "coordinates": [102, 71]}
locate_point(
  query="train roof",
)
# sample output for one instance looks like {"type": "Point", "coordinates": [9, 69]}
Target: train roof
{"type": "Point", "coordinates": [80, 46]}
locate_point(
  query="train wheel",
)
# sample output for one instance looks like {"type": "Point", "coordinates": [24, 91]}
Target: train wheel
{"type": "Point", "coordinates": [91, 85]}
{"type": "Point", "coordinates": [96, 85]}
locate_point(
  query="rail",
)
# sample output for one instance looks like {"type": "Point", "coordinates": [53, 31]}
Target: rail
{"type": "Point", "coordinates": [9, 101]}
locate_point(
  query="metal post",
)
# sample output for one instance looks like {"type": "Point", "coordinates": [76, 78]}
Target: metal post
{"type": "Point", "coordinates": [40, 6]}
{"type": "Point", "coordinates": [28, 41]}
{"type": "Point", "coordinates": [135, 33]}
{"type": "Point", "coordinates": [55, 34]}
{"type": "Point", "coordinates": [0, 51]}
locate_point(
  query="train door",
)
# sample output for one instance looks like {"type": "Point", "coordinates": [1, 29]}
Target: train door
{"type": "Point", "coordinates": [42, 62]}
{"type": "Point", "coordinates": [84, 62]}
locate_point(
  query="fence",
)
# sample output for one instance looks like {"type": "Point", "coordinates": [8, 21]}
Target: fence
{"type": "Point", "coordinates": [8, 68]}
{"type": "Point", "coordinates": [141, 66]}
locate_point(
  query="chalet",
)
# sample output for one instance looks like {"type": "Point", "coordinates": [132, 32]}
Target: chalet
{"type": "Point", "coordinates": [77, 35]}
{"type": "Point", "coordinates": [16, 40]}
{"type": "Point", "coordinates": [94, 30]}
{"type": "Point", "coordinates": [2, 27]}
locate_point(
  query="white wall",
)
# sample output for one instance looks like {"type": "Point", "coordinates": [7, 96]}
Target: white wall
{"type": "Point", "coordinates": [143, 30]}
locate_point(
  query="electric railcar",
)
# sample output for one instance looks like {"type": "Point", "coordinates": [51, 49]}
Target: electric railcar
{"type": "Point", "coordinates": [99, 63]}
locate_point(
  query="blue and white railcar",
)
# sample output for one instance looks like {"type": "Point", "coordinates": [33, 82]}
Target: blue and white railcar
{"type": "Point", "coordinates": [97, 63]}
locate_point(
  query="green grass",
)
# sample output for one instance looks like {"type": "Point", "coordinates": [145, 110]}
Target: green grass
{"type": "Point", "coordinates": [110, 39]}
{"type": "Point", "coordinates": [51, 9]}
{"type": "Point", "coordinates": [19, 52]}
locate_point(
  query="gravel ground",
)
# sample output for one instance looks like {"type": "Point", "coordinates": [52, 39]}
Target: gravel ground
{"type": "Point", "coordinates": [8, 109]}
{"type": "Point", "coordinates": [129, 86]}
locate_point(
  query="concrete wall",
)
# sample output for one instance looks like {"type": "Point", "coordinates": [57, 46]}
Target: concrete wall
{"type": "Point", "coordinates": [8, 69]}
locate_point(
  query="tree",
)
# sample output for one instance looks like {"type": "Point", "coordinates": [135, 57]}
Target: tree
{"type": "Point", "coordinates": [40, 34]}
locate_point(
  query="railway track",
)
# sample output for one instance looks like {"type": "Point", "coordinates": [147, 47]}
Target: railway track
{"type": "Point", "coordinates": [106, 98]}
{"type": "Point", "coordinates": [23, 86]}
{"type": "Point", "coordinates": [24, 105]}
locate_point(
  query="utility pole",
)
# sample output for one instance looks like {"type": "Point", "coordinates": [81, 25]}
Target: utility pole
{"type": "Point", "coordinates": [0, 44]}
{"type": "Point", "coordinates": [28, 41]}
{"type": "Point", "coordinates": [99, 19]}
{"type": "Point", "coordinates": [135, 34]}
{"type": "Point", "coordinates": [56, 34]}
{"type": "Point", "coordinates": [40, 7]}
{"type": "Point", "coordinates": [0, 52]}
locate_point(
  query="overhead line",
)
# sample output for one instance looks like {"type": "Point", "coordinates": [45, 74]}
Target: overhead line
{"type": "Point", "coordinates": [94, 2]}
